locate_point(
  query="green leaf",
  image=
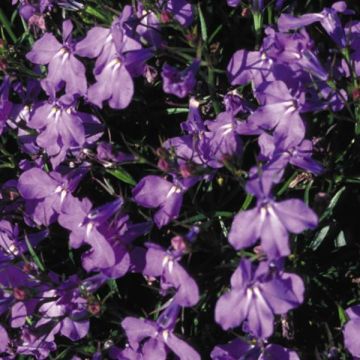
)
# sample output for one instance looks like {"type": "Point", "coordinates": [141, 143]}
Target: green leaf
{"type": "Point", "coordinates": [94, 12]}
{"type": "Point", "coordinates": [122, 175]}
{"type": "Point", "coordinates": [174, 111]}
{"type": "Point", "coordinates": [204, 32]}
{"type": "Point", "coordinates": [246, 202]}
{"type": "Point", "coordinates": [33, 254]}
{"type": "Point", "coordinates": [342, 315]}
{"type": "Point", "coordinates": [7, 26]}
{"type": "Point", "coordinates": [332, 204]}
{"type": "Point", "coordinates": [319, 238]}
{"type": "Point", "coordinates": [340, 239]}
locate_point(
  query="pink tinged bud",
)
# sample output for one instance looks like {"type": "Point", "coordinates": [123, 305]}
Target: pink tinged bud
{"type": "Point", "coordinates": [19, 294]}
{"type": "Point", "coordinates": [185, 170]}
{"type": "Point", "coordinates": [165, 17]}
{"type": "Point", "coordinates": [38, 21]}
{"type": "Point", "coordinates": [3, 65]}
{"type": "Point", "coordinates": [178, 243]}
{"type": "Point", "coordinates": [245, 12]}
{"type": "Point", "coordinates": [163, 165]}
{"type": "Point", "coordinates": [94, 308]}
{"type": "Point", "coordinates": [356, 94]}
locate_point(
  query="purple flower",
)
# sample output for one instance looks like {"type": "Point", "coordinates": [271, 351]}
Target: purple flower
{"type": "Point", "coordinates": [4, 339]}
{"type": "Point", "coordinates": [298, 154]}
{"type": "Point", "coordinates": [34, 344]}
{"type": "Point", "coordinates": [45, 193]}
{"type": "Point", "coordinates": [155, 192]}
{"type": "Point", "coordinates": [66, 309]}
{"type": "Point", "coordinates": [84, 224]}
{"type": "Point", "coordinates": [181, 10]}
{"type": "Point", "coordinates": [223, 140]}
{"type": "Point", "coordinates": [156, 262]}
{"type": "Point", "coordinates": [296, 50]}
{"type": "Point", "coordinates": [328, 19]}
{"type": "Point", "coordinates": [246, 66]}
{"type": "Point", "coordinates": [352, 329]}
{"type": "Point", "coordinates": [63, 65]}
{"type": "Point", "coordinates": [233, 3]}
{"type": "Point", "coordinates": [119, 58]}
{"type": "Point", "coordinates": [280, 113]}
{"type": "Point", "coordinates": [239, 349]}
{"type": "Point", "coordinates": [5, 104]}
{"type": "Point", "coordinates": [148, 26]}
{"type": "Point", "coordinates": [61, 126]}
{"type": "Point", "coordinates": [152, 340]}
{"type": "Point", "coordinates": [256, 295]}
{"type": "Point", "coordinates": [104, 44]}
{"type": "Point", "coordinates": [108, 155]}
{"type": "Point", "coordinates": [269, 220]}
{"type": "Point", "coordinates": [12, 244]}
{"type": "Point", "coordinates": [179, 82]}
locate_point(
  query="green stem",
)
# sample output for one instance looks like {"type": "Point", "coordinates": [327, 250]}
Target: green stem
{"type": "Point", "coordinates": [7, 25]}
{"type": "Point", "coordinates": [258, 20]}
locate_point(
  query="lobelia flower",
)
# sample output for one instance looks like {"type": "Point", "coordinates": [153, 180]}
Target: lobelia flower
{"type": "Point", "coordinates": [155, 192]}
{"type": "Point", "coordinates": [84, 224]}
{"type": "Point", "coordinates": [328, 19]}
{"type": "Point", "coordinates": [120, 236]}
{"type": "Point", "coordinates": [297, 154]}
{"type": "Point", "coordinates": [223, 139]}
{"type": "Point", "coordinates": [45, 193]}
{"type": "Point", "coordinates": [119, 58]}
{"type": "Point", "coordinates": [269, 220]}
{"type": "Point", "coordinates": [4, 339]}
{"type": "Point", "coordinates": [148, 26]}
{"type": "Point", "coordinates": [246, 66]}
{"type": "Point", "coordinates": [6, 105]}
{"type": "Point", "coordinates": [233, 3]}
{"type": "Point", "coordinates": [235, 104]}
{"type": "Point", "coordinates": [108, 155]}
{"type": "Point", "coordinates": [103, 43]}
{"type": "Point", "coordinates": [118, 70]}
{"type": "Point", "coordinates": [62, 127]}
{"type": "Point", "coordinates": [33, 344]}
{"type": "Point", "coordinates": [286, 57]}
{"type": "Point", "coordinates": [296, 50]}
{"type": "Point", "coordinates": [20, 294]}
{"type": "Point", "coordinates": [183, 151]}
{"type": "Point", "coordinates": [352, 329]}
{"type": "Point", "coordinates": [12, 244]}
{"type": "Point", "coordinates": [239, 349]}
{"type": "Point", "coordinates": [63, 65]}
{"type": "Point", "coordinates": [194, 122]}
{"type": "Point", "coordinates": [257, 293]}
{"type": "Point", "coordinates": [158, 336]}
{"type": "Point", "coordinates": [64, 310]}
{"type": "Point", "coordinates": [179, 82]}
{"type": "Point", "coordinates": [181, 10]}
{"type": "Point", "coordinates": [156, 262]}
{"type": "Point", "coordinates": [279, 112]}
{"type": "Point", "coordinates": [352, 31]}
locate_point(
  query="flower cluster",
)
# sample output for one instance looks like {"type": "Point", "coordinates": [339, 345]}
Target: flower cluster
{"type": "Point", "coordinates": [125, 200]}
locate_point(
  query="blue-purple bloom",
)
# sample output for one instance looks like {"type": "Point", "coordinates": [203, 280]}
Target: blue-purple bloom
{"type": "Point", "coordinates": [239, 349]}
{"type": "Point", "coordinates": [179, 82]}
{"type": "Point", "coordinates": [63, 67]}
{"type": "Point", "coordinates": [257, 293]}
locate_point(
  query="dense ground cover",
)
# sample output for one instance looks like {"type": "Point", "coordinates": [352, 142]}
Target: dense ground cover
{"type": "Point", "coordinates": [179, 179]}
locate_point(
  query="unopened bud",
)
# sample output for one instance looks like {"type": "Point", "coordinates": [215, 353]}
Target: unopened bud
{"type": "Point", "coordinates": [94, 308]}
{"type": "Point", "coordinates": [165, 17]}
{"type": "Point", "coordinates": [356, 94]}
{"type": "Point", "coordinates": [19, 294]}
{"type": "Point", "coordinates": [178, 243]}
